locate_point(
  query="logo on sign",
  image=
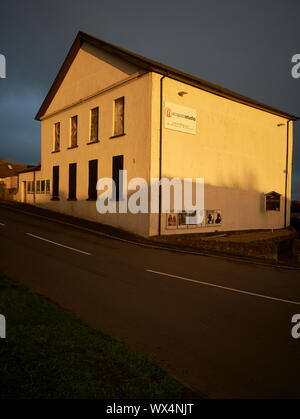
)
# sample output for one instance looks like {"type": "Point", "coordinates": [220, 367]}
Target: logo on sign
{"type": "Point", "coordinates": [168, 112]}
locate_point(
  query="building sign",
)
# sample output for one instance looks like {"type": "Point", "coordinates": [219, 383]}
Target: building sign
{"type": "Point", "coordinates": [180, 118]}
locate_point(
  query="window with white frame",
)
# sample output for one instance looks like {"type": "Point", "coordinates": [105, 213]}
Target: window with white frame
{"type": "Point", "coordinates": [119, 116]}
{"type": "Point", "coordinates": [94, 127]}
{"type": "Point", "coordinates": [47, 186]}
{"type": "Point", "coordinates": [73, 131]}
{"type": "Point", "coordinates": [43, 189]}
{"type": "Point", "coordinates": [56, 137]}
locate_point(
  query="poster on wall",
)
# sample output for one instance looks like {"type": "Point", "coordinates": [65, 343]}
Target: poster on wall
{"type": "Point", "coordinates": [180, 118]}
{"type": "Point", "coordinates": [182, 219]}
{"type": "Point", "coordinates": [195, 221]}
{"type": "Point", "coordinates": [189, 219]}
{"type": "Point", "coordinates": [213, 218]}
{"type": "Point", "coordinates": [172, 220]}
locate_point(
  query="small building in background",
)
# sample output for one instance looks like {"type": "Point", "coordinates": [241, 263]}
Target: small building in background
{"type": "Point", "coordinates": [9, 178]}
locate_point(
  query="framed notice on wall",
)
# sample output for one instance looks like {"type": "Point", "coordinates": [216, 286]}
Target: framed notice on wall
{"type": "Point", "coordinates": [213, 218]}
{"type": "Point", "coordinates": [180, 118]}
{"type": "Point", "coordinates": [172, 219]}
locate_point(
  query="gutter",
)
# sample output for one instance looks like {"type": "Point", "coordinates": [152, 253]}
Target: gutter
{"type": "Point", "coordinates": [286, 171]}
{"type": "Point", "coordinates": [160, 150]}
{"type": "Point", "coordinates": [34, 187]}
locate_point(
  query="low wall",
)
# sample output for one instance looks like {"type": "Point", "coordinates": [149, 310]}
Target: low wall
{"type": "Point", "coordinates": [267, 249]}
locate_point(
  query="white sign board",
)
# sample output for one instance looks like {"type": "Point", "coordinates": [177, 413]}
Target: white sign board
{"type": "Point", "coordinates": [180, 118]}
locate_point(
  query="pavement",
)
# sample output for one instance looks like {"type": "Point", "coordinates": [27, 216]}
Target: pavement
{"type": "Point", "coordinates": [222, 327]}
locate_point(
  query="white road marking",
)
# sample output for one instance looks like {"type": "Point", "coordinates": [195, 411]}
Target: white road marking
{"type": "Point", "coordinates": [156, 246]}
{"type": "Point", "coordinates": [58, 244]}
{"type": "Point", "coordinates": [225, 288]}
{"type": "Point", "coordinates": [1, 224]}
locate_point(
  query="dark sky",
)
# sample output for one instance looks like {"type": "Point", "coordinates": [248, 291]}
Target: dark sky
{"type": "Point", "coordinates": [244, 45]}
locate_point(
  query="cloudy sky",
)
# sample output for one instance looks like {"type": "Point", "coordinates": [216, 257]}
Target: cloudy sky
{"type": "Point", "coordinates": [244, 45]}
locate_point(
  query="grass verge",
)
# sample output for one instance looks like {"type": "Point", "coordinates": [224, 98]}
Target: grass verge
{"type": "Point", "coordinates": [51, 353]}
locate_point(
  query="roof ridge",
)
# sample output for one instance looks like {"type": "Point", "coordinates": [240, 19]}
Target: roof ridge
{"type": "Point", "coordinates": [150, 65]}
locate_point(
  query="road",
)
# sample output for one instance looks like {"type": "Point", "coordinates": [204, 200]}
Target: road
{"type": "Point", "coordinates": [221, 327]}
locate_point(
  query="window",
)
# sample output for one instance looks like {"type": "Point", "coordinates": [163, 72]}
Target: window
{"type": "Point", "coordinates": [55, 183]}
{"type": "Point", "coordinates": [94, 130]}
{"type": "Point", "coordinates": [30, 186]}
{"type": "Point", "coordinates": [119, 116]}
{"type": "Point", "coordinates": [72, 180]}
{"type": "Point", "coordinates": [38, 186]}
{"type": "Point", "coordinates": [56, 139]}
{"type": "Point", "coordinates": [48, 186]}
{"type": "Point", "coordinates": [93, 175]}
{"type": "Point", "coordinates": [272, 201]}
{"type": "Point", "coordinates": [42, 186]}
{"type": "Point", "coordinates": [118, 163]}
{"type": "Point", "coordinates": [74, 127]}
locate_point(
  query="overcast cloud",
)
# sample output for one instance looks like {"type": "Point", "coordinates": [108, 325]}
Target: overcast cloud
{"type": "Point", "coordinates": [245, 46]}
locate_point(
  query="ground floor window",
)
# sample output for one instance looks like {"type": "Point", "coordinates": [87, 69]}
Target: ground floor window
{"type": "Point", "coordinates": [93, 177]}
{"type": "Point", "coordinates": [72, 180]}
{"type": "Point", "coordinates": [118, 165]}
{"type": "Point", "coordinates": [55, 182]}
{"type": "Point", "coordinates": [43, 186]}
{"type": "Point", "coordinates": [30, 186]}
{"type": "Point", "coordinates": [48, 186]}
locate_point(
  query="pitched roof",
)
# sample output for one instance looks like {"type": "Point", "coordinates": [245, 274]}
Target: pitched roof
{"type": "Point", "coordinates": [149, 65]}
{"type": "Point", "coordinates": [8, 169]}
{"type": "Point", "coordinates": [31, 169]}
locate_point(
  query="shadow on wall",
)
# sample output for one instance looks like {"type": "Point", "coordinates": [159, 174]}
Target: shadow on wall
{"type": "Point", "coordinates": [240, 209]}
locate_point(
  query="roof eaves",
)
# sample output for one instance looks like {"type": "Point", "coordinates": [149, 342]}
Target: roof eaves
{"type": "Point", "coordinates": [152, 66]}
{"type": "Point", "coordinates": [30, 169]}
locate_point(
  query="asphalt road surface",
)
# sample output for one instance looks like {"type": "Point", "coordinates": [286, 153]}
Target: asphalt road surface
{"type": "Point", "coordinates": [221, 327]}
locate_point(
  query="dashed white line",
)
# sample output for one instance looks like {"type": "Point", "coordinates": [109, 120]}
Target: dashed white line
{"type": "Point", "coordinates": [59, 244]}
{"type": "Point", "coordinates": [225, 288]}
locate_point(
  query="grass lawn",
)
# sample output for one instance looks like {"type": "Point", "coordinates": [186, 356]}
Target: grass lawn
{"type": "Point", "coordinates": [51, 353]}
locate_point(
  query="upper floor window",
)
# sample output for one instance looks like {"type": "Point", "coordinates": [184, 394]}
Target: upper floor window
{"type": "Point", "coordinates": [56, 137]}
{"type": "Point", "coordinates": [74, 128]}
{"type": "Point", "coordinates": [94, 129]}
{"type": "Point", "coordinates": [119, 116]}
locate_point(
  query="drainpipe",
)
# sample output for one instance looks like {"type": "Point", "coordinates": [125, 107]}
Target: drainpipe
{"type": "Point", "coordinates": [160, 151]}
{"type": "Point", "coordinates": [34, 186]}
{"type": "Point", "coordinates": [286, 170]}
